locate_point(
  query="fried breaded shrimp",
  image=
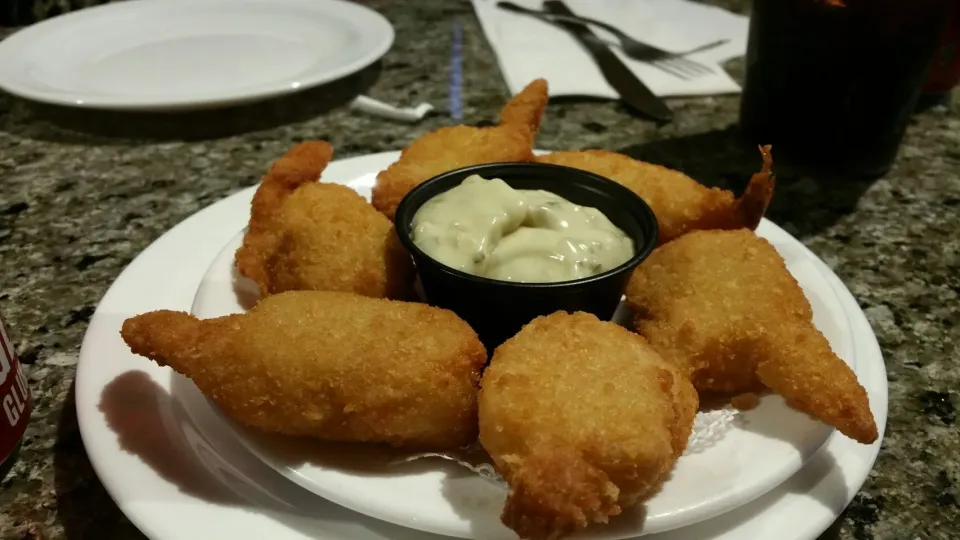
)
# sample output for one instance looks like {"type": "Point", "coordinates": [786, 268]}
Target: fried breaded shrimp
{"type": "Point", "coordinates": [680, 203]}
{"type": "Point", "coordinates": [724, 307]}
{"type": "Point", "coordinates": [322, 237]}
{"type": "Point", "coordinates": [583, 418]}
{"type": "Point", "coordinates": [454, 147]}
{"type": "Point", "coordinates": [301, 165]}
{"type": "Point", "coordinates": [326, 237]}
{"type": "Point", "coordinates": [328, 365]}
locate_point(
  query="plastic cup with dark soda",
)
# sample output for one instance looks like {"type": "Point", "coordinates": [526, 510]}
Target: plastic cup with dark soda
{"type": "Point", "coordinates": [831, 84]}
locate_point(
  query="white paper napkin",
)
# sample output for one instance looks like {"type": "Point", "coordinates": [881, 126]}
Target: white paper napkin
{"type": "Point", "coordinates": [528, 48]}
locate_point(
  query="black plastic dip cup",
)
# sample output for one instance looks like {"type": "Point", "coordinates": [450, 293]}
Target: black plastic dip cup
{"type": "Point", "coordinates": [497, 309]}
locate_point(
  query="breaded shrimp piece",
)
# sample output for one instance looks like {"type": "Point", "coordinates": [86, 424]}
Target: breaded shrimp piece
{"type": "Point", "coordinates": [329, 238]}
{"type": "Point", "coordinates": [723, 306]}
{"type": "Point", "coordinates": [680, 203]}
{"type": "Point", "coordinates": [583, 418]}
{"type": "Point", "coordinates": [301, 165]}
{"type": "Point", "coordinates": [454, 147]}
{"type": "Point", "coordinates": [329, 365]}
{"type": "Point", "coordinates": [305, 235]}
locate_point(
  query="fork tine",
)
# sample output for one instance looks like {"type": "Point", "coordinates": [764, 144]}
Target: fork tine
{"type": "Point", "coordinates": [678, 69]}
{"type": "Point", "coordinates": [672, 70]}
{"type": "Point", "coordinates": [686, 67]}
{"type": "Point", "coordinates": [693, 69]}
{"type": "Point", "coordinates": [694, 65]}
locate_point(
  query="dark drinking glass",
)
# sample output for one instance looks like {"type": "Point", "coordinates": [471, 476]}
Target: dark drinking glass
{"type": "Point", "coordinates": [831, 83]}
{"type": "Point", "coordinates": [944, 71]}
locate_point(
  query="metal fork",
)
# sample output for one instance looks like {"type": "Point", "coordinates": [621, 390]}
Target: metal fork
{"type": "Point", "coordinates": [673, 63]}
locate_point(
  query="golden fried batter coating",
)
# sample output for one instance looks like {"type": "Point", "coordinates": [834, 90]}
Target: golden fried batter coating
{"type": "Point", "coordinates": [328, 365]}
{"type": "Point", "coordinates": [322, 237]}
{"type": "Point", "coordinates": [680, 203]}
{"type": "Point", "coordinates": [454, 147]}
{"type": "Point", "coordinates": [724, 307]}
{"type": "Point", "coordinates": [329, 238]}
{"type": "Point", "coordinates": [301, 165]}
{"type": "Point", "coordinates": [582, 418]}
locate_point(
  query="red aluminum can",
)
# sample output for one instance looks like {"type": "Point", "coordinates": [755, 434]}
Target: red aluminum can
{"type": "Point", "coordinates": [15, 401]}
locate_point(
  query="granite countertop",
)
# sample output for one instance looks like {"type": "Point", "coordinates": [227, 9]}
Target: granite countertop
{"type": "Point", "coordinates": [83, 193]}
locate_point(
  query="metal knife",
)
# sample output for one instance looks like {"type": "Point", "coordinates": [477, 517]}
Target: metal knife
{"type": "Point", "coordinates": [632, 91]}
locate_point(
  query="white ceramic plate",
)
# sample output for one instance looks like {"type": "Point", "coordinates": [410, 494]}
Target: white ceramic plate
{"type": "Point", "coordinates": [179, 54]}
{"type": "Point", "coordinates": [759, 451]}
{"type": "Point", "coordinates": [177, 471]}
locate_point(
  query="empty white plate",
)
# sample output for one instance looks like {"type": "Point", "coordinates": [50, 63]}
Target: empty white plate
{"type": "Point", "coordinates": [182, 54]}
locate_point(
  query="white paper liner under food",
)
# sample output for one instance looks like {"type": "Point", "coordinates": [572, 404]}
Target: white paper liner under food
{"type": "Point", "coordinates": [709, 427]}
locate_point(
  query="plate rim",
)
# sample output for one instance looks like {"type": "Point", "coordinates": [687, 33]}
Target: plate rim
{"type": "Point", "coordinates": [858, 458]}
{"type": "Point", "coordinates": [10, 77]}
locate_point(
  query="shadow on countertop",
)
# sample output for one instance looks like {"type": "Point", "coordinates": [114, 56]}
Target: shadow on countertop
{"type": "Point", "coordinates": [804, 206]}
{"type": "Point", "coordinates": [21, 117]}
{"type": "Point", "coordinates": [84, 507]}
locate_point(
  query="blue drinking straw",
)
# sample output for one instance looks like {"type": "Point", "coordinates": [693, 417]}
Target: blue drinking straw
{"type": "Point", "coordinates": [456, 72]}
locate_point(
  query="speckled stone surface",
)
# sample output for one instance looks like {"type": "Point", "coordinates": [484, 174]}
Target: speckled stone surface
{"type": "Point", "coordinates": [83, 193]}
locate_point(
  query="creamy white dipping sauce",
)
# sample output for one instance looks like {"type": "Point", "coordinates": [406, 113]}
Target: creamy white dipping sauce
{"type": "Point", "coordinates": [488, 229]}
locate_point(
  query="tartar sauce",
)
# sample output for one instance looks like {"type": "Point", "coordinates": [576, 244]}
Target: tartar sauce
{"type": "Point", "coordinates": [488, 229]}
